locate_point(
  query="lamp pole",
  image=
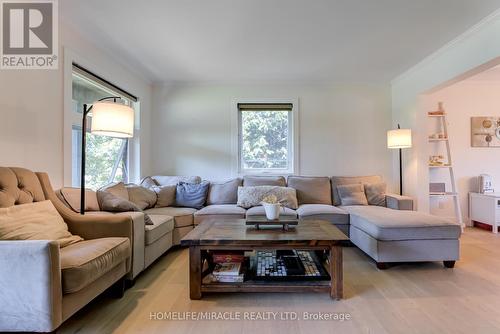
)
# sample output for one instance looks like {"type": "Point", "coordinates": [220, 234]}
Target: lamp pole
{"type": "Point", "coordinates": [86, 110]}
{"type": "Point", "coordinates": [400, 169]}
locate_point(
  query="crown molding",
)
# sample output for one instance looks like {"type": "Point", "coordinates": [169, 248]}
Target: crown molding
{"type": "Point", "coordinates": [451, 44]}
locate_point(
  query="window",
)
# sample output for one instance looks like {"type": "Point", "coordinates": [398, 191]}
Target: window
{"type": "Point", "coordinates": [266, 138]}
{"type": "Point", "coordinates": [107, 157]}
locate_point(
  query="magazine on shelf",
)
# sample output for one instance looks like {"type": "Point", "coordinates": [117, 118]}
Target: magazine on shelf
{"type": "Point", "coordinates": [227, 269]}
{"type": "Point", "coordinates": [228, 256]}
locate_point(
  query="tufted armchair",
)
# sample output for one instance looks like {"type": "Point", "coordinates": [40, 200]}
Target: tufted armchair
{"type": "Point", "coordinates": [42, 285]}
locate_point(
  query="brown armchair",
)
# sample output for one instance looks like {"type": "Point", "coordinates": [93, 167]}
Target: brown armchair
{"type": "Point", "coordinates": [42, 285]}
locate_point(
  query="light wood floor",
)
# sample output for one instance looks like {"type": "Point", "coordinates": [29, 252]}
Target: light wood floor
{"type": "Point", "coordinates": [416, 298]}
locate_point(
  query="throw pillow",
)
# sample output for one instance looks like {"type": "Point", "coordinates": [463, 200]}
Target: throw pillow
{"type": "Point", "coordinates": [165, 196]}
{"type": "Point", "coordinates": [253, 196]}
{"type": "Point", "coordinates": [71, 196]}
{"type": "Point", "coordinates": [352, 194]}
{"type": "Point", "coordinates": [148, 182]}
{"type": "Point", "coordinates": [191, 195]}
{"type": "Point", "coordinates": [224, 193]}
{"type": "Point", "coordinates": [375, 193]}
{"type": "Point", "coordinates": [35, 221]}
{"type": "Point", "coordinates": [118, 189]}
{"type": "Point", "coordinates": [111, 203]}
{"type": "Point", "coordinates": [140, 196]}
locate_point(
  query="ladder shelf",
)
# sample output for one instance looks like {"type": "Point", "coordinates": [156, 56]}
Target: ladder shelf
{"type": "Point", "coordinates": [440, 116]}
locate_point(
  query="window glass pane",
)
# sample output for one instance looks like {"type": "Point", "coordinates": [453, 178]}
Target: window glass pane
{"type": "Point", "coordinates": [106, 159]}
{"type": "Point", "coordinates": [264, 142]}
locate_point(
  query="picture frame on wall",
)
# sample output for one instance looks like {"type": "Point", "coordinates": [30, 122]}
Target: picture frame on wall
{"type": "Point", "coordinates": [485, 131]}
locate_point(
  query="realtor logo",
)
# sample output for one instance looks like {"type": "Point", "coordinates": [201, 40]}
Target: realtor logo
{"type": "Point", "coordinates": [29, 34]}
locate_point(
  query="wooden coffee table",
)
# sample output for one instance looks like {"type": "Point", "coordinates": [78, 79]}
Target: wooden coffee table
{"type": "Point", "coordinates": [234, 234]}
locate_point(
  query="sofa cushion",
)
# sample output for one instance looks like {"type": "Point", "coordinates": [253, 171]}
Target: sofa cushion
{"type": "Point", "coordinates": [71, 197]}
{"type": "Point", "coordinates": [253, 181]}
{"type": "Point", "coordinates": [259, 211]}
{"type": "Point", "coordinates": [339, 180]}
{"type": "Point", "coordinates": [221, 209]}
{"type": "Point", "coordinates": [84, 262]}
{"type": "Point", "coordinates": [162, 224]}
{"type": "Point", "coordinates": [191, 195]}
{"type": "Point", "coordinates": [118, 189]}
{"type": "Point", "coordinates": [148, 182]}
{"type": "Point", "coordinates": [387, 224]}
{"type": "Point", "coordinates": [111, 203]}
{"type": "Point", "coordinates": [142, 197]}
{"type": "Point", "coordinates": [375, 193]}
{"type": "Point", "coordinates": [182, 216]}
{"type": "Point", "coordinates": [311, 190]}
{"type": "Point", "coordinates": [165, 195]}
{"type": "Point", "coordinates": [35, 221]}
{"type": "Point", "coordinates": [323, 212]}
{"type": "Point", "coordinates": [224, 192]}
{"type": "Point", "coordinates": [352, 194]}
{"type": "Point", "coordinates": [253, 196]}
{"type": "Point", "coordinates": [166, 180]}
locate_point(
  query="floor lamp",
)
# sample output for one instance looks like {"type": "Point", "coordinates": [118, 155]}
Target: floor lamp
{"type": "Point", "coordinates": [399, 139]}
{"type": "Point", "coordinates": [109, 118]}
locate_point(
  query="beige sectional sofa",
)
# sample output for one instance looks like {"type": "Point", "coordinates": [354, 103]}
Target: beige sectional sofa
{"type": "Point", "coordinates": [393, 233]}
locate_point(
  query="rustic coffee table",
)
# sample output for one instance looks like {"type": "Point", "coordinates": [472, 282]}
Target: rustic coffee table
{"type": "Point", "coordinates": [233, 234]}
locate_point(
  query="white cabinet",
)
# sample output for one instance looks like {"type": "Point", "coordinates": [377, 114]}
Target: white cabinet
{"type": "Point", "coordinates": [485, 208]}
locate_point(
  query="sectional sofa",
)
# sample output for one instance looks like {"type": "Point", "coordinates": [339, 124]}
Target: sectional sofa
{"type": "Point", "coordinates": [390, 233]}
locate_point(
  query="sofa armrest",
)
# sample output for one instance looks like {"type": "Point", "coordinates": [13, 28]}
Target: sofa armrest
{"type": "Point", "coordinates": [398, 202]}
{"type": "Point", "coordinates": [138, 242]}
{"type": "Point", "coordinates": [30, 286]}
{"type": "Point", "coordinates": [100, 226]}
{"type": "Point", "coordinates": [87, 226]}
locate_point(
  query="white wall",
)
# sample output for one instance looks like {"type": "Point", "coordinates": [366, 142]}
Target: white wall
{"type": "Point", "coordinates": [342, 127]}
{"type": "Point", "coordinates": [31, 108]}
{"type": "Point", "coordinates": [462, 101]}
{"type": "Point", "coordinates": [475, 48]}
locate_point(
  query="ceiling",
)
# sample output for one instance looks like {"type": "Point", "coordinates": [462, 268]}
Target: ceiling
{"type": "Point", "coordinates": [273, 40]}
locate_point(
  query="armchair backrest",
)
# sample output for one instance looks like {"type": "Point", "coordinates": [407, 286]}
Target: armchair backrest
{"type": "Point", "coordinates": [19, 186]}
{"type": "Point", "coordinates": [22, 186]}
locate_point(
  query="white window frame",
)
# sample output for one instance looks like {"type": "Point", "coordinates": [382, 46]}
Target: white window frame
{"type": "Point", "coordinates": [293, 137]}
{"type": "Point", "coordinates": [133, 160]}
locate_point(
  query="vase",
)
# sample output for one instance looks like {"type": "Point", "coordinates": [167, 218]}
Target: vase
{"type": "Point", "coordinates": [272, 210]}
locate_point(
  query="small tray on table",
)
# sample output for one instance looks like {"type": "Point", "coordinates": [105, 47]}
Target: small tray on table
{"type": "Point", "coordinates": [284, 222]}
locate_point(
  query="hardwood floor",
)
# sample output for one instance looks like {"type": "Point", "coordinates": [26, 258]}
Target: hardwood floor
{"type": "Point", "coordinates": [413, 298]}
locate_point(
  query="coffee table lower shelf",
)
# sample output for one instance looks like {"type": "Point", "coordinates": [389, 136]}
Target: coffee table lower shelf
{"type": "Point", "coordinates": [334, 286]}
{"type": "Point", "coordinates": [268, 286]}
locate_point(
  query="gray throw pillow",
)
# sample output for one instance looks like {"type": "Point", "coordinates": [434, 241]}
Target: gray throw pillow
{"type": "Point", "coordinates": [142, 197]}
{"type": "Point", "coordinates": [148, 182]}
{"type": "Point", "coordinates": [111, 203]}
{"type": "Point", "coordinates": [224, 193]}
{"type": "Point", "coordinates": [165, 196]}
{"type": "Point", "coordinates": [375, 193]}
{"type": "Point", "coordinates": [191, 195]}
{"type": "Point", "coordinates": [352, 194]}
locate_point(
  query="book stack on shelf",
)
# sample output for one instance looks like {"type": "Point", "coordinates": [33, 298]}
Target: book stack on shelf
{"type": "Point", "coordinates": [228, 267]}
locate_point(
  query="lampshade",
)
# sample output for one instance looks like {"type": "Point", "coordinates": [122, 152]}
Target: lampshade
{"type": "Point", "coordinates": [112, 119]}
{"type": "Point", "coordinates": [399, 138]}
